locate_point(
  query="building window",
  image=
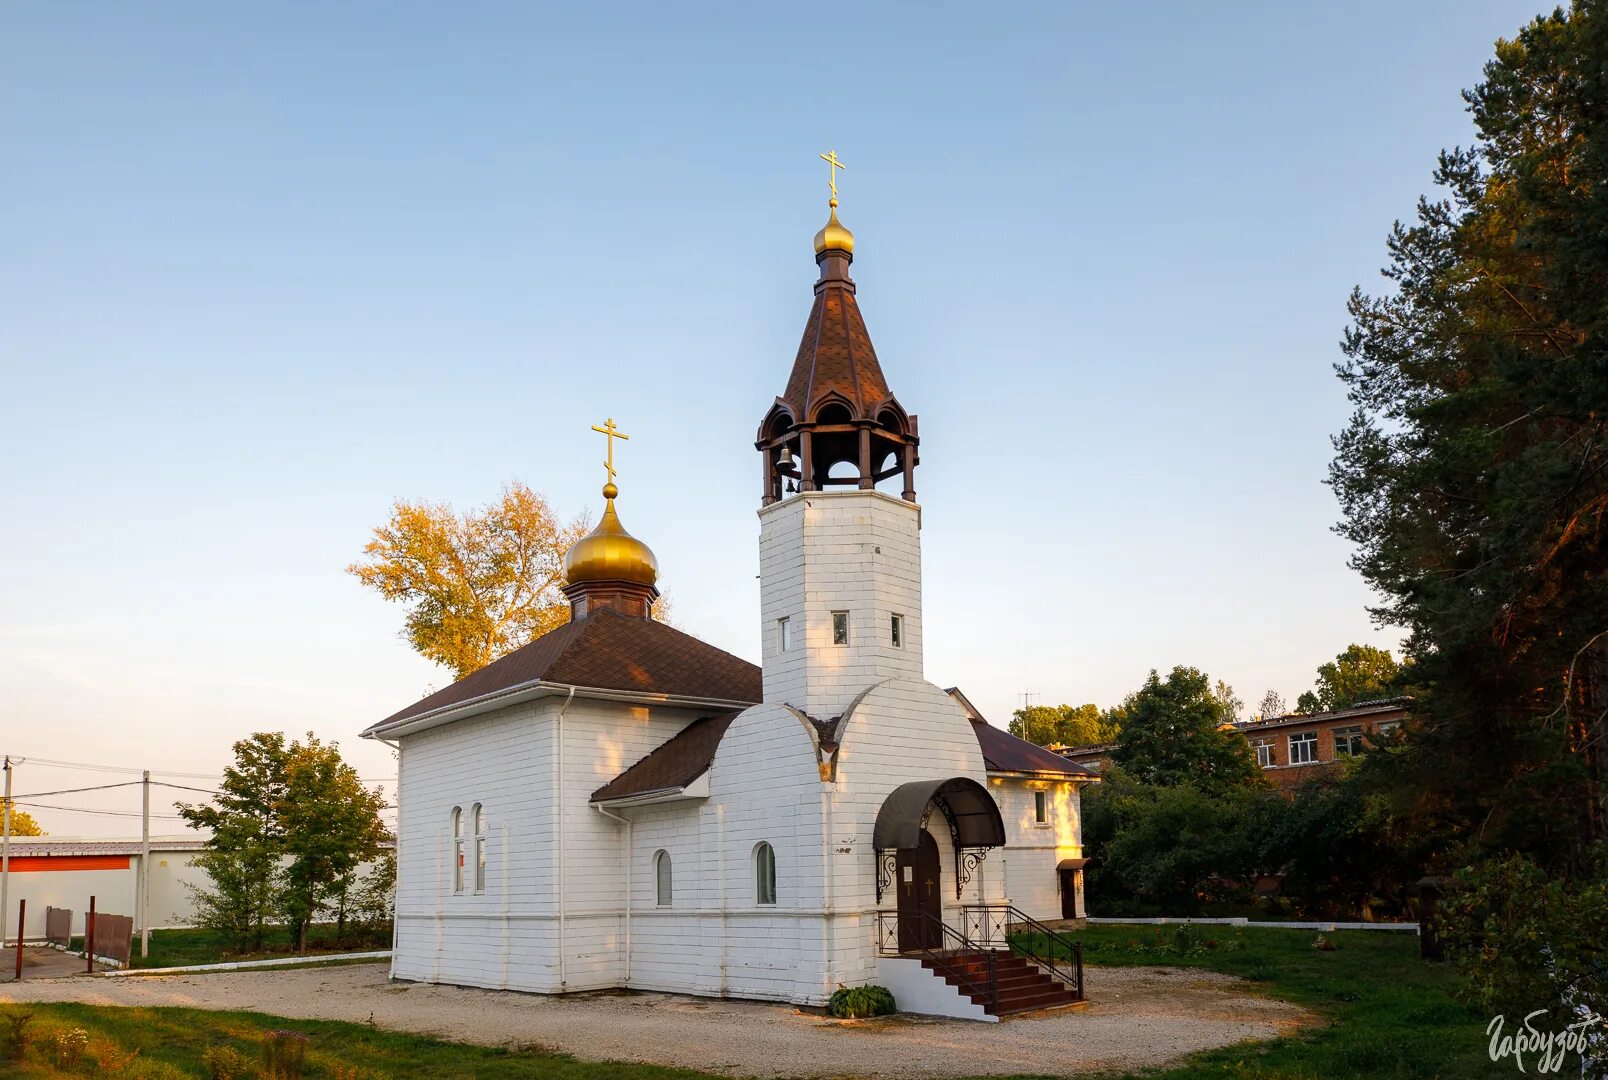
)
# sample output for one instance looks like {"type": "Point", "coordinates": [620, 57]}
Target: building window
{"type": "Point", "coordinates": [1347, 741]}
{"type": "Point", "coordinates": [840, 627]}
{"type": "Point", "coordinates": [661, 878]}
{"type": "Point", "coordinates": [1304, 748]}
{"type": "Point", "coordinates": [784, 634]}
{"type": "Point", "coordinates": [1264, 752]}
{"type": "Point", "coordinates": [478, 816]}
{"type": "Point", "coordinates": [457, 849]}
{"type": "Point", "coordinates": [1041, 807]}
{"type": "Point", "coordinates": [897, 631]}
{"type": "Point", "coordinates": [1387, 728]}
{"type": "Point", "coordinates": [764, 874]}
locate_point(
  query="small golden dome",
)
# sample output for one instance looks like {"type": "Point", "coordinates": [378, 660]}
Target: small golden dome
{"type": "Point", "coordinates": [834, 237]}
{"type": "Point", "coordinates": [609, 553]}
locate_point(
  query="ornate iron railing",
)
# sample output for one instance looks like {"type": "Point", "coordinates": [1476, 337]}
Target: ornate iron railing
{"type": "Point", "coordinates": [950, 955]}
{"type": "Point", "coordinates": [1004, 926]}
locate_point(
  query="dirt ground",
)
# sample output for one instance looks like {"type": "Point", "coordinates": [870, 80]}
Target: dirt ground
{"type": "Point", "coordinates": [1137, 1017]}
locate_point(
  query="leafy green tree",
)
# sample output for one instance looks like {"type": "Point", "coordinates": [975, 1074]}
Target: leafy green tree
{"type": "Point", "coordinates": [290, 825]}
{"type": "Point", "coordinates": [243, 854]}
{"type": "Point", "coordinates": [331, 827]}
{"type": "Point", "coordinates": [1173, 732]}
{"type": "Point", "coordinates": [1359, 673]}
{"type": "Point", "coordinates": [1069, 725]}
{"type": "Point", "coordinates": [1171, 846]}
{"type": "Point", "coordinates": [1528, 939]}
{"type": "Point", "coordinates": [1473, 476]}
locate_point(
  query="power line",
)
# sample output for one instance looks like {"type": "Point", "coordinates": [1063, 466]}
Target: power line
{"type": "Point", "coordinates": [103, 813]}
{"type": "Point", "coordinates": [181, 787]}
{"type": "Point", "coordinates": [76, 790]}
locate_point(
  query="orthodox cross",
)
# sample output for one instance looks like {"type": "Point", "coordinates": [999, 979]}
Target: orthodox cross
{"type": "Point", "coordinates": [831, 159]}
{"type": "Point", "coordinates": [609, 431]}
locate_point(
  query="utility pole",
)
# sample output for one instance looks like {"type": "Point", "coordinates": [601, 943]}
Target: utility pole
{"type": "Point", "coordinates": [145, 864]}
{"type": "Point", "coordinates": [5, 855]}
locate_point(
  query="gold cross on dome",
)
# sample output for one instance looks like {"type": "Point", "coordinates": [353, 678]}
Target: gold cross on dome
{"type": "Point", "coordinates": [831, 159]}
{"type": "Point", "coordinates": [611, 432]}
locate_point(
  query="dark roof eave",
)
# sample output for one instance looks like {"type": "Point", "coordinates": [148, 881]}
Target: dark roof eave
{"type": "Point", "coordinates": [1084, 777]}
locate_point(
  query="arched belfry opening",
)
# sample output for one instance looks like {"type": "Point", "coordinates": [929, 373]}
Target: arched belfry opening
{"type": "Point", "coordinates": [837, 425]}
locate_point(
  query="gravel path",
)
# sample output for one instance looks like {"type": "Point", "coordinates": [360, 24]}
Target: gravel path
{"type": "Point", "coordinates": [1139, 1017]}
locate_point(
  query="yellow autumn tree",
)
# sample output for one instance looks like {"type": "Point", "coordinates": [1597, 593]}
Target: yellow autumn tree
{"type": "Point", "coordinates": [476, 585]}
{"type": "Point", "coordinates": [22, 822]}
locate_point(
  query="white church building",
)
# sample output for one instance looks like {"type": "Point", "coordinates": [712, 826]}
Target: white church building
{"type": "Point", "coordinates": [618, 804]}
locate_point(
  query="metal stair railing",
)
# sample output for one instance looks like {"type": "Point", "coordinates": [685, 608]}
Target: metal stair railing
{"type": "Point", "coordinates": [1010, 927]}
{"type": "Point", "coordinates": [943, 955]}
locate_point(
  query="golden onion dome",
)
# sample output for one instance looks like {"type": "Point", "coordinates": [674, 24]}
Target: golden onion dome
{"type": "Point", "coordinates": [609, 553]}
{"type": "Point", "coordinates": [833, 236]}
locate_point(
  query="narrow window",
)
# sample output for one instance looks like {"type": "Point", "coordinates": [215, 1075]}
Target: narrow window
{"type": "Point", "coordinates": [784, 633]}
{"type": "Point", "coordinates": [457, 849]}
{"type": "Point", "coordinates": [840, 627]}
{"type": "Point", "coordinates": [1304, 748]}
{"type": "Point", "coordinates": [1041, 807]}
{"type": "Point", "coordinates": [479, 817]}
{"type": "Point", "coordinates": [661, 878]}
{"type": "Point", "coordinates": [1264, 752]}
{"type": "Point", "coordinates": [897, 631]}
{"type": "Point", "coordinates": [764, 874]}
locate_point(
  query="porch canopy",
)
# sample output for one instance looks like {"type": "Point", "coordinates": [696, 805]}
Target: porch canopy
{"type": "Point", "coordinates": [970, 809]}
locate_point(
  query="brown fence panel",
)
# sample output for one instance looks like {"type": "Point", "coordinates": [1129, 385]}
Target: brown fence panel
{"type": "Point", "coordinates": [59, 926]}
{"type": "Point", "coordinates": [114, 936]}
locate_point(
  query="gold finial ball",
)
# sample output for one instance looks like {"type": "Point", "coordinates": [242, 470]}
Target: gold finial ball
{"type": "Point", "coordinates": [610, 491]}
{"type": "Point", "coordinates": [834, 237]}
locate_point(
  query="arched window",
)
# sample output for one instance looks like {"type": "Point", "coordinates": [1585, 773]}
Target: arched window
{"type": "Point", "coordinates": [457, 849]}
{"type": "Point", "coordinates": [661, 878]}
{"type": "Point", "coordinates": [479, 818]}
{"type": "Point", "coordinates": [764, 874]}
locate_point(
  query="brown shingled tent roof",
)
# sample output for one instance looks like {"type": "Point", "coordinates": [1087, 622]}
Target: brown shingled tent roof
{"type": "Point", "coordinates": [676, 763]}
{"type": "Point", "coordinates": [605, 651]}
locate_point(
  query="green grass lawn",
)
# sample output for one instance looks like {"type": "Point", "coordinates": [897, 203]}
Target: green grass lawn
{"type": "Point", "coordinates": [179, 948]}
{"type": "Point", "coordinates": [1387, 1014]}
{"type": "Point", "coordinates": [172, 1042]}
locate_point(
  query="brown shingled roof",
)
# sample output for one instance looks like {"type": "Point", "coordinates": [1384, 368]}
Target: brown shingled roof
{"type": "Point", "coordinates": [606, 651]}
{"type": "Point", "coordinates": [1004, 752]}
{"type": "Point", "coordinates": [676, 763]}
{"type": "Point", "coordinates": [835, 357]}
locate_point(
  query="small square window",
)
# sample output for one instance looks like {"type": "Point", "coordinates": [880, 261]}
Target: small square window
{"type": "Point", "coordinates": [1264, 752]}
{"type": "Point", "coordinates": [784, 633]}
{"type": "Point", "coordinates": [897, 631]}
{"type": "Point", "coordinates": [1041, 807]}
{"type": "Point", "coordinates": [1348, 741]}
{"type": "Point", "coordinates": [840, 627]}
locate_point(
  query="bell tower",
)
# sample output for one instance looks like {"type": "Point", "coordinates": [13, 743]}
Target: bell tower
{"type": "Point", "coordinates": [840, 560]}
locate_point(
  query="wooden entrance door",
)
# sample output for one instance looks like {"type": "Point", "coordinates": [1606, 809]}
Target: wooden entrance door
{"type": "Point", "coordinates": [1069, 893]}
{"type": "Point", "coordinates": [919, 892]}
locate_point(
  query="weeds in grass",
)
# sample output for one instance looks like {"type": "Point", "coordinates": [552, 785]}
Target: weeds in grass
{"type": "Point", "coordinates": [110, 1058]}
{"type": "Point", "coordinates": [67, 1049]}
{"type": "Point", "coordinates": [18, 1037]}
{"type": "Point", "coordinates": [284, 1055]}
{"type": "Point", "coordinates": [226, 1063]}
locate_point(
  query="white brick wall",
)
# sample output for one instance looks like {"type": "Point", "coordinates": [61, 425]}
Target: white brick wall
{"type": "Point", "coordinates": [1033, 851]}
{"type": "Point", "coordinates": [854, 551]}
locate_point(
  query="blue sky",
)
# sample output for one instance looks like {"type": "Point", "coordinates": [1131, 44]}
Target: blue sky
{"type": "Point", "coordinates": [264, 270]}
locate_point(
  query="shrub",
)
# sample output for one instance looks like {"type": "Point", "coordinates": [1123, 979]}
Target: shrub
{"type": "Point", "coordinates": [18, 1037]}
{"type": "Point", "coordinates": [226, 1063]}
{"type": "Point", "coordinates": [284, 1055]}
{"type": "Point", "coordinates": [856, 1002]}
